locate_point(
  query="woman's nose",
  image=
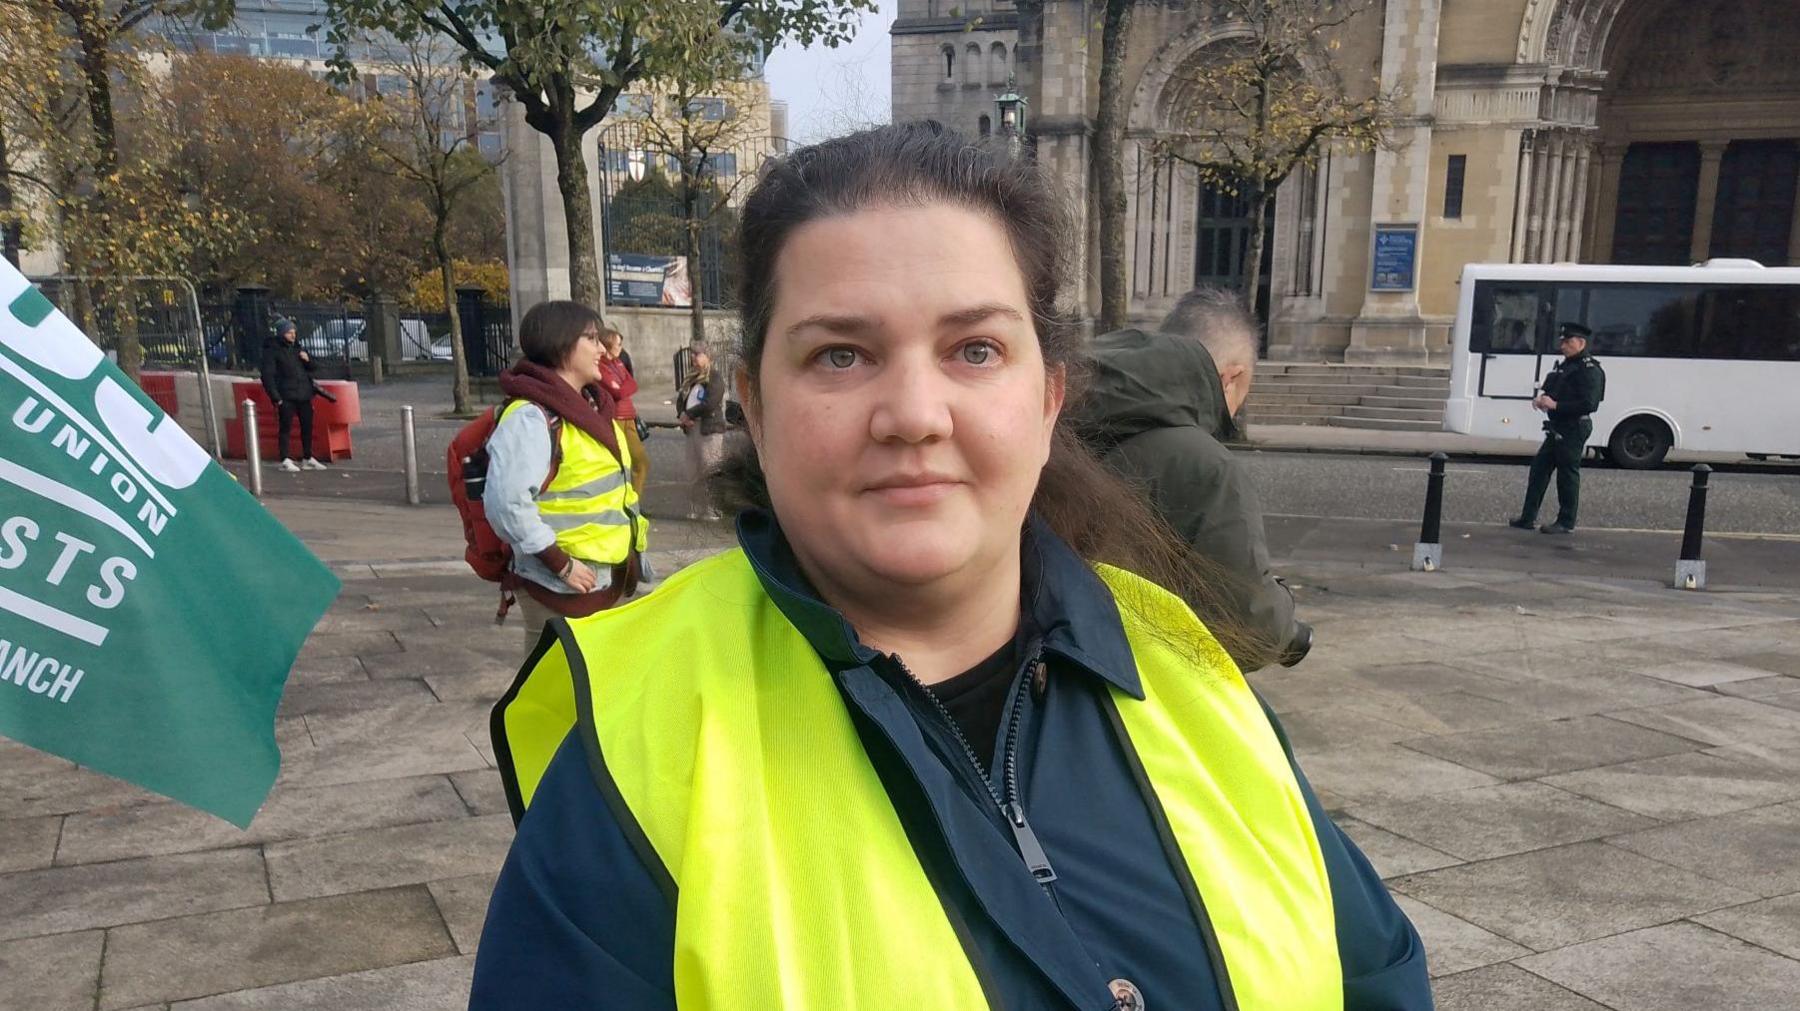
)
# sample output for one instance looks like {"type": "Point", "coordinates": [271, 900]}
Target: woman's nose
{"type": "Point", "coordinates": [912, 403]}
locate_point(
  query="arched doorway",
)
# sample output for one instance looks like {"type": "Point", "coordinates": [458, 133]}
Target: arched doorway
{"type": "Point", "coordinates": [1698, 128]}
{"type": "Point", "coordinates": [1185, 230]}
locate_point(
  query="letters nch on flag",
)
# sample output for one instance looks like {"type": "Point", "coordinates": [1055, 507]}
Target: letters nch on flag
{"type": "Point", "coordinates": [149, 607]}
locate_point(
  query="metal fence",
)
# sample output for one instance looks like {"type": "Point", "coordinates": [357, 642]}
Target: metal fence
{"type": "Point", "coordinates": [159, 311]}
{"type": "Point", "coordinates": [643, 219]}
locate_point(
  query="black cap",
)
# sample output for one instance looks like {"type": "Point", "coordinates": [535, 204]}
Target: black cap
{"type": "Point", "coordinates": [1573, 330]}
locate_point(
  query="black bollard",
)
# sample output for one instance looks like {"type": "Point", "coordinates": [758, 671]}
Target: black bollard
{"type": "Point", "coordinates": [1690, 569]}
{"type": "Point", "coordinates": [1428, 554]}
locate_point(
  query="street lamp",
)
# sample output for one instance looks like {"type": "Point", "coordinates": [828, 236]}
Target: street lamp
{"type": "Point", "coordinates": [1011, 108]}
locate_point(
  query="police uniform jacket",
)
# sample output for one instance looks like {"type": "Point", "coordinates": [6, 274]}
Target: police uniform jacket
{"type": "Point", "coordinates": [1577, 385]}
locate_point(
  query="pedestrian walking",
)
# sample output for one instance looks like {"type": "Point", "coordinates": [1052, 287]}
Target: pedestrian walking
{"type": "Point", "coordinates": [702, 419]}
{"type": "Point", "coordinates": [937, 734]}
{"type": "Point", "coordinates": [1570, 394]}
{"type": "Point", "coordinates": [620, 380]}
{"type": "Point", "coordinates": [287, 377]}
{"type": "Point", "coordinates": [558, 485]}
{"type": "Point", "coordinates": [1160, 405]}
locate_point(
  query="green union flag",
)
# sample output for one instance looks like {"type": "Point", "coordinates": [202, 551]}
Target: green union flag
{"type": "Point", "coordinates": [149, 607]}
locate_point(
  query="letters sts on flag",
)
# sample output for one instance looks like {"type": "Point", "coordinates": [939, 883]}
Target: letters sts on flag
{"type": "Point", "coordinates": [149, 607]}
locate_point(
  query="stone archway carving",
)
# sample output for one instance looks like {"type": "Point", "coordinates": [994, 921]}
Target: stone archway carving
{"type": "Point", "coordinates": [1148, 113]}
{"type": "Point", "coordinates": [1573, 34]}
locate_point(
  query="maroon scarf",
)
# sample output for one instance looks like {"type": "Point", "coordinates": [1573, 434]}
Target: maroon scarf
{"type": "Point", "coordinates": [592, 410]}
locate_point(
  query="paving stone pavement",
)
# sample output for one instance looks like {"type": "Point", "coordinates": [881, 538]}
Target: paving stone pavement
{"type": "Point", "coordinates": [1586, 794]}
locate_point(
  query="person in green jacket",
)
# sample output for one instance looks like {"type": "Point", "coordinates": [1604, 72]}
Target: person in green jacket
{"type": "Point", "coordinates": [1161, 404]}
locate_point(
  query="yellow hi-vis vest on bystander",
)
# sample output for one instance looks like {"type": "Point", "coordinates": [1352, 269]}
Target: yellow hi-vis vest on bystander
{"type": "Point", "coordinates": [716, 725]}
{"type": "Point", "coordinates": [590, 503]}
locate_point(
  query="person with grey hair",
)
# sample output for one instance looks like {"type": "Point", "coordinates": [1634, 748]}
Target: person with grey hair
{"type": "Point", "coordinates": [1161, 405]}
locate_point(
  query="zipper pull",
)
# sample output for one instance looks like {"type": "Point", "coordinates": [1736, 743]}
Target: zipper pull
{"type": "Point", "coordinates": [1036, 860]}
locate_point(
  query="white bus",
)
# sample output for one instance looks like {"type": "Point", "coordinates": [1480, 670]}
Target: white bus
{"type": "Point", "coordinates": [1696, 358]}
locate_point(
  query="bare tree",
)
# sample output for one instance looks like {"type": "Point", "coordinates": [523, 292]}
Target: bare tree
{"type": "Point", "coordinates": [423, 132]}
{"type": "Point", "coordinates": [699, 113]}
{"type": "Point", "coordinates": [1254, 108]}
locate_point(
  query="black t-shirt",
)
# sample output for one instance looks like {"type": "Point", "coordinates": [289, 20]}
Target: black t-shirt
{"type": "Point", "coordinates": [977, 699]}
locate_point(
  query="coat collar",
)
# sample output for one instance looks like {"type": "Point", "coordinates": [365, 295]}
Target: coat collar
{"type": "Point", "coordinates": [1066, 603]}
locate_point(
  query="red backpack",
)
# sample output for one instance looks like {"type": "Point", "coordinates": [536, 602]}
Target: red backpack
{"type": "Point", "coordinates": [486, 553]}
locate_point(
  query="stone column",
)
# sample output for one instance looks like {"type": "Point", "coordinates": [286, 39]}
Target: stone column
{"type": "Point", "coordinates": [1578, 210]}
{"type": "Point", "coordinates": [1389, 327]}
{"type": "Point", "coordinates": [1540, 197]}
{"type": "Point", "coordinates": [1184, 198]}
{"type": "Point", "coordinates": [1606, 209]}
{"type": "Point", "coordinates": [1706, 199]}
{"type": "Point", "coordinates": [1565, 199]}
{"type": "Point", "coordinates": [1550, 166]}
{"type": "Point", "coordinates": [382, 314]}
{"type": "Point", "coordinates": [1063, 125]}
{"type": "Point", "coordinates": [1136, 212]}
{"type": "Point", "coordinates": [537, 238]}
{"type": "Point", "coordinates": [1521, 232]}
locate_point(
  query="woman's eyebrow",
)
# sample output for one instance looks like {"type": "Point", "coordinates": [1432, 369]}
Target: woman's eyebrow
{"type": "Point", "coordinates": [835, 323]}
{"type": "Point", "coordinates": [978, 314]}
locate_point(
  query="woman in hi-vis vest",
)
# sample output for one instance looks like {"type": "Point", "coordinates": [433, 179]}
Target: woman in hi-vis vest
{"type": "Point", "coordinates": [559, 472]}
{"type": "Point", "coordinates": [939, 733]}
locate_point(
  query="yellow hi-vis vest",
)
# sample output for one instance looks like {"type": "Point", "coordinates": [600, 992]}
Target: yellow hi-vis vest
{"type": "Point", "coordinates": [590, 503]}
{"type": "Point", "coordinates": [796, 887]}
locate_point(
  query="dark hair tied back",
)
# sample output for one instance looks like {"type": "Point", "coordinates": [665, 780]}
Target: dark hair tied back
{"type": "Point", "coordinates": [921, 164]}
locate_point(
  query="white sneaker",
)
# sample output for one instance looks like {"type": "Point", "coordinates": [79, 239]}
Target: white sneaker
{"type": "Point", "coordinates": [290, 466]}
{"type": "Point", "coordinates": [311, 464]}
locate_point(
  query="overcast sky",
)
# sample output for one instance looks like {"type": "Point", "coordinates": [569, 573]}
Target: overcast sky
{"type": "Point", "coordinates": [829, 91]}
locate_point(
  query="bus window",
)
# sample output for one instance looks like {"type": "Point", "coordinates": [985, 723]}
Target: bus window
{"type": "Point", "coordinates": [1506, 319]}
{"type": "Point", "coordinates": [1760, 322]}
{"type": "Point", "coordinates": [1642, 320]}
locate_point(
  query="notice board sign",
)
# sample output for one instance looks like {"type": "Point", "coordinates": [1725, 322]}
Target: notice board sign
{"type": "Point", "coordinates": [1395, 259]}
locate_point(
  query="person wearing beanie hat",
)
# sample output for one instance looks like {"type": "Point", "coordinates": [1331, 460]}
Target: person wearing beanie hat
{"type": "Point", "coordinates": [287, 378]}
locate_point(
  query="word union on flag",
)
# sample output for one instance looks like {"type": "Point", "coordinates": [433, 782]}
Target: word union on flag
{"type": "Point", "coordinates": [150, 608]}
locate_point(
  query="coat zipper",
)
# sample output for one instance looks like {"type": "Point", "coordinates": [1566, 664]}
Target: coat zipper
{"type": "Point", "coordinates": [1008, 802]}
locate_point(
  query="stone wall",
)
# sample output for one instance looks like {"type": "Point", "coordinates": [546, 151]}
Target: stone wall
{"type": "Point", "coordinates": [653, 335]}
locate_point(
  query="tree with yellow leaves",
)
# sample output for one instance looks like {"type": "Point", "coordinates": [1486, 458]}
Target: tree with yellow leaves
{"type": "Point", "coordinates": [1269, 99]}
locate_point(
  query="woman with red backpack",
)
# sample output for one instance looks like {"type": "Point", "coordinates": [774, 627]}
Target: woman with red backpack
{"type": "Point", "coordinates": [558, 487]}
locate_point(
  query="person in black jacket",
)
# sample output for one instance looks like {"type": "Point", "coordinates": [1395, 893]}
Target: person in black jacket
{"type": "Point", "coordinates": [1572, 391]}
{"type": "Point", "coordinates": [287, 378]}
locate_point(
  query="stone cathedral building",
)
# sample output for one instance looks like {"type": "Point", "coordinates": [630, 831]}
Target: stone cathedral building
{"type": "Point", "coordinates": [1595, 131]}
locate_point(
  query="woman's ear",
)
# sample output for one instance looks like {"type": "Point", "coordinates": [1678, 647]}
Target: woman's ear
{"type": "Point", "coordinates": [746, 397]}
{"type": "Point", "coordinates": [1056, 389]}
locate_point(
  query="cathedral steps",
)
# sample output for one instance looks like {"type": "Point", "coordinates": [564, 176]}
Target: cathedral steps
{"type": "Point", "coordinates": [1380, 397]}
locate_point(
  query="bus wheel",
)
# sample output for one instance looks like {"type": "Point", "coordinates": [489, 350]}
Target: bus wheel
{"type": "Point", "coordinates": [1639, 443]}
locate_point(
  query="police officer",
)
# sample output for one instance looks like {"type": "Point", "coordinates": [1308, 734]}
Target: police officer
{"type": "Point", "coordinates": [1571, 393]}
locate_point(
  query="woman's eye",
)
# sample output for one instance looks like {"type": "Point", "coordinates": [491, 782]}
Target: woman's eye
{"type": "Point", "coordinates": [978, 353]}
{"type": "Point", "coordinates": [840, 358]}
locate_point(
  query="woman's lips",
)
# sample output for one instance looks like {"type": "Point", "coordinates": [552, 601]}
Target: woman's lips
{"type": "Point", "coordinates": [914, 490]}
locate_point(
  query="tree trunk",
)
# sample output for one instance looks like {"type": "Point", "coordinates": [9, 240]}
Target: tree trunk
{"type": "Point", "coordinates": [459, 356]}
{"type": "Point", "coordinates": [1109, 166]}
{"type": "Point", "coordinates": [11, 231]}
{"type": "Point", "coordinates": [96, 70]}
{"type": "Point", "coordinates": [92, 36]}
{"type": "Point", "coordinates": [578, 208]}
{"type": "Point", "coordinates": [1252, 268]}
{"type": "Point", "coordinates": [691, 226]}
